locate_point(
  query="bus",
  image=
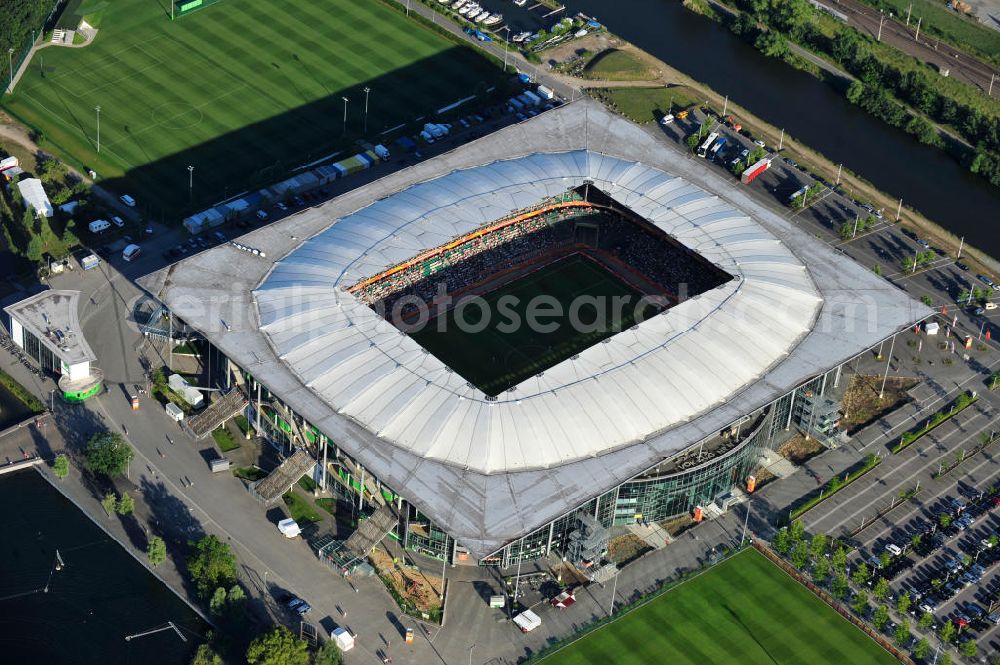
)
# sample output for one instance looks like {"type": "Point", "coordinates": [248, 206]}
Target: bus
{"type": "Point", "coordinates": [714, 152]}
{"type": "Point", "coordinates": [703, 148]}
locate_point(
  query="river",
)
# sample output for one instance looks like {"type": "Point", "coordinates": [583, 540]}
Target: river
{"type": "Point", "coordinates": [100, 596]}
{"type": "Point", "coordinates": [810, 110]}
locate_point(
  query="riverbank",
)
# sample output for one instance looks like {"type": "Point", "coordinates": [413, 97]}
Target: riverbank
{"type": "Point", "coordinates": [856, 186]}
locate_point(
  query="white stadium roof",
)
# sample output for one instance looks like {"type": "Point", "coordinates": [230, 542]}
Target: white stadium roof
{"type": "Point", "coordinates": [670, 369]}
{"type": "Point", "coordinates": [490, 471]}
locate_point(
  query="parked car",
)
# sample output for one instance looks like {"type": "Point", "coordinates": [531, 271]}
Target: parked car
{"type": "Point", "coordinates": [893, 549]}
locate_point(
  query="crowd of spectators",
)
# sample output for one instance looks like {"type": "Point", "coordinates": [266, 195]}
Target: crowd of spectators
{"type": "Point", "coordinates": [455, 269]}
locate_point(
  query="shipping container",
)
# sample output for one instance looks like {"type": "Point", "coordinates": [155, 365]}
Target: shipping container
{"type": "Point", "coordinates": [755, 170]}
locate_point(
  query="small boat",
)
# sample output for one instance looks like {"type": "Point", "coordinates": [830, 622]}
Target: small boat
{"type": "Point", "coordinates": [464, 11]}
{"type": "Point", "coordinates": [474, 13]}
{"type": "Point", "coordinates": [445, 2]}
{"type": "Point", "coordinates": [482, 17]}
{"type": "Point", "coordinates": [458, 4]}
{"type": "Point", "coordinates": [493, 20]}
{"type": "Point", "coordinates": [520, 3]}
{"type": "Point", "coordinates": [521, 36]}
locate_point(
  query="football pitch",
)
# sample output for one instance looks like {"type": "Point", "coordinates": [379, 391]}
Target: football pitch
{"type": "Point", "coordinates": [506, 350]}
{"type": "Point", "coordinates": [244, 91]}
{"type": "Point", "coordinates": [745, 610]}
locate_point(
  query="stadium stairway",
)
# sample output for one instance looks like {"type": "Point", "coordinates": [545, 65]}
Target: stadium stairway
{"type": "Point", "coordinates": [217, 413]}
{"type": "Point", "coordinates": [282, 479]}
{"type": "Point", "coordinates": [372, 530]}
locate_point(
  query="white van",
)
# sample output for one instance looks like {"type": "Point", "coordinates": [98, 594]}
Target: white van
{"type": "Point", "coordinates": [127, 200]}
{"type": "Point", "coordinates": [118, 221]}
{"type": "Point", "coordinates": [131, 252]}
{"type": "Point", "coordinates": [99, 225]}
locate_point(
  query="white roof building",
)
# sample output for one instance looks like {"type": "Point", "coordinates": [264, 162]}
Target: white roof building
{"type": "Point", "coordinates": [34, 196]}
{"type": "Point", "coordinates": [491, 470]}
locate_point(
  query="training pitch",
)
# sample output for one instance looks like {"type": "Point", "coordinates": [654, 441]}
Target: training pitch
{"type": "Point", "coordinates": [507, 350]}
{"type": "Point", "coordinates": [745, 610]}
{"type": "Point", "coordinates": [244, 91]}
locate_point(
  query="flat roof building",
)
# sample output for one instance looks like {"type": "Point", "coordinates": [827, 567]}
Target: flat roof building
{"type": "Point", "coordinates": [660, 417]}
{"type": "Point", "coordinates": [47, 327]}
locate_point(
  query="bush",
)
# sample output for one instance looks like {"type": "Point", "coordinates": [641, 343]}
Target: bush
{"type": "Point", "coordinates": [211, 564]}
{"type": "Point", "coordinates": [61, 466]}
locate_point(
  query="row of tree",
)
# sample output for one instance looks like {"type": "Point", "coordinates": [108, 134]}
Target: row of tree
{"type": "Point", "coordinates": [826, 562]}
{"type": "Point", "coordinates": [886, 81]}
{"type": "Point", "coordinates": [212, 568]}
{"type": "Point", "coordinates": [18, 20]}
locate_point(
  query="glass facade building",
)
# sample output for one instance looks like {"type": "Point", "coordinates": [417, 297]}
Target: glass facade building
{"type": "Point", "coordinates": [674, 487]}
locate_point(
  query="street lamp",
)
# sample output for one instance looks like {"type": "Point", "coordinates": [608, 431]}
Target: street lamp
{"type": "Point", "coordinates": [367, 90]}
{"type": "Point", "coordinates": [345, 116]}
{"type": "Point", "coordinates": [10, 66]}
{"type": "Point", "coordinates": [98, 109]}
{"type": "Point", "coordinates": [470, 653]}
{"type": "Point", "coordinates": [190, 182]}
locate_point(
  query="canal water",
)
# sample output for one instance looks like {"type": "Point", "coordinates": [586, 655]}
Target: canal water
{"type": "Point", "coordinates": [12, 410]}
{"type": "Point", "coordinates": [811, 111]}
{"type": "Point", "coordinates": [101, 595]}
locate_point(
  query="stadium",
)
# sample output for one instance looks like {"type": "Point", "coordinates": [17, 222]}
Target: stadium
{"type": "Point", "coordinates": [362, 333]}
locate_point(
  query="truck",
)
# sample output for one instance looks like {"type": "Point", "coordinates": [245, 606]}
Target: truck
{"type": "Point", "coordinates": [382, 152]}
{"type": "Point", "coordinates": [797, 194]}
{"type": "Point", "coordinates": [546, 93]}
{"type": "Point", "coordinates": [535, 99]}
{"type": "Point", "coordinates": [527, 621]}
{"type": "Point", "coordinates": [755, 170]}
{"type": "Point", "coordinates": [89, 262]}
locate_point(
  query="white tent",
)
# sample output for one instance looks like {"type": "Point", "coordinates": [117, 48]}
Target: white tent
{"type": "Point", "coordinates": [34, 195]}
{"type": "Point", "coordinates": [344, 640]}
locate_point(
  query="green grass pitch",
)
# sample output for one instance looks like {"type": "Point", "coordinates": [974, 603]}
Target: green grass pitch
{"type": "Point", "coordinates": [745, 610]}
{"type": "Point", "coordinates": [494, 359]}
{"type": "Point", "coordinates": [244, 91]}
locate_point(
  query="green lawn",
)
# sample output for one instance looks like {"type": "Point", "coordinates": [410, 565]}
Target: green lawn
{"type": "Point", "coordinates": [243, 91]}
{"type": "Point", "coordinates": [647, 104]}
{"type": "Point", "coordinates": [224, 439]}
{"type": "Point", "coordinates": [615, 65]}
{"type": "Point", "coordinates": [494, 359]}
{"type": "Point", "coordinates": [745, 611]}
{"type": "Point", "coordinates": [300, 509]}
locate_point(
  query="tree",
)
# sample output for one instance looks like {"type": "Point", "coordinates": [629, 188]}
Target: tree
{"type": "Point", "coordinates": [861, 574]}
{"type": "Point", "coordinates": [903, 603]}
{"type": "Point", "coordinates": [205, 655]}
{"type": "Point", "coordinates": [328, 654]}
{"type": "Point", "coordinates": [969, 649]}
{"type": "Point", "coordinates": [278, 647]}
{"type": "Point", "coordinates": [902, 634]}
{"type": "Point", "coordinates": [800, 555]}
{"type": "Point", "coordinates": [922, 649]}
{"type": "Point", "coordinates": [61, 466]}
{"type": "Point", "coordinates": [881, 617]}
{"type": "Point", "coordinates": [108, 453]}
{"type": "Point", "coordinates": [860, 604]}
{"type": "Point", "coordinates": [218, 603]}
{"type": "Point", "coordinates": [877, 269]}
{"type": "Point", "coordinates": [797, 531]}
{"type": "Point", "coordinates": [945, 659]}
{"type": "Point", "coordinates": [946, 632]}
{"type": "Point", "coordinates": [881, 589]}
{"type": "Point", "coordinates": [821, 569]}
{"type": "Point", "coordinates": [855, 92]}
{"type": "Point", "coordinates": [839, 586]}
{"type": "Point", "coordinates": [926, 620]}
{"type": "Point", "coordinates": [839, 559]}
{"type": "Point", "coordinates": [782, 541]}
{"type": "Point", "coordinates": [156, 551]}
{"type": "Point", "coordinates": [236, 598]}
{"type": "Point", "coordinates": [944, 519]}
{"type": "Point", "coordinates": [211, 565]}
{"type": "Point", "coordinates": [109, 502]}
{"type": "Point", "coordinates": [846, 230]}
{"type": "Point", "coordinates": [125, 505]}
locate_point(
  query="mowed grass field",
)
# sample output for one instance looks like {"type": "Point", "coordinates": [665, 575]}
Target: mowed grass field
{"type": "Point", "coordinates": [244, 90]}
{"type": "Point", "coordinates": [745, 610]}
{"type": "Point", "coordinates": [495, 357]}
